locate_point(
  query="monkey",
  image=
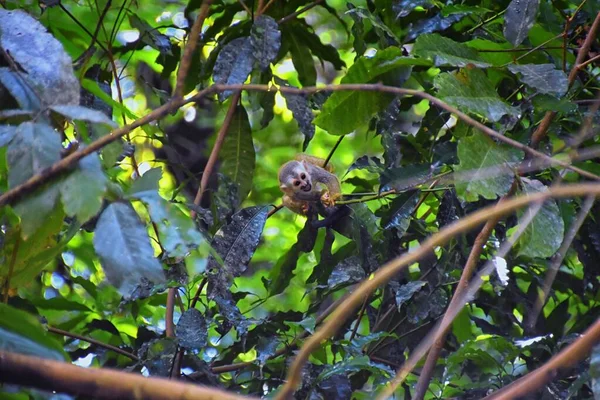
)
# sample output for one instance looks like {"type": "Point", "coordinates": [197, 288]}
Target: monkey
{"type": "Point", "coordinates": [304, 181]}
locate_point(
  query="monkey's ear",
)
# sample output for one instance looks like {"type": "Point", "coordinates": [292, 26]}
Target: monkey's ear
{"type": "Point", "coordinates": [282, 186]}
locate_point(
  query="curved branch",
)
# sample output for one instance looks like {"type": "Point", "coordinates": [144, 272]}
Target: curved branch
{"type": "Point", "coordinates": [97, 382]}
{"type": "Point", "coordinates": [393, 267]}
{"type": "Point", "coordinates": [93, 341]}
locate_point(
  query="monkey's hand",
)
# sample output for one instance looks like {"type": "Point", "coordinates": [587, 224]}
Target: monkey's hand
{"type": "Point", "coordinates": [328, 199]}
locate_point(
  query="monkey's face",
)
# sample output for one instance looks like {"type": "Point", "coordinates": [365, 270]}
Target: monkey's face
{"type": "Point", "coordinates": [298, 180]}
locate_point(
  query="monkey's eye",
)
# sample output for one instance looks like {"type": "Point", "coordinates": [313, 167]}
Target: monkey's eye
{"type": "Point", "coordinates": [296, 183]}
{"type": "Point", "coordinates": [303, 176]}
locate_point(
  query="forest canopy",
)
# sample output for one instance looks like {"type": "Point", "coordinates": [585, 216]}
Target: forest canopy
{"type": "Point", "coordinates": [437, 238]}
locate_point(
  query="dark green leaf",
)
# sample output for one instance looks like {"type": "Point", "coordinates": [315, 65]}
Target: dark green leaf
{"type": "Point", "coordinates": [544, 234]}
{"type": "Point", "coordinates": [406, 292]}
{"type": "Point", "coordinates": [237, 154]}
{"type": "Point", "coordinates": [400, 212]}
{"type": "Point", "coordinates": [347, 272]}
{"type": "Point", "coordinates": [402, 178]}
{"type": "Point", "coordinates": [151, 36]}
{"type": "Point", "coordinates": [301, 57]}
{"type": "Point", "coordinates": [83, 189]}
{"type": "Point", "coordinates": [433, 24]}
{"type": "Point", "coordinates": [544, 78]}
{"type": "Point", "coordinates": [487, 168]}
{"type": "Point", "coordinates": [22, 333]}
{"type": "Point", "coordinates": [20, 89]}
{"type": "Point", "coordinates": [402, 8]}
{"type": "Point", "coordinates": [299, 106]}
{"type": "Point", "coordinates": [471, 91]}
{"type": "Point", "coordinates": [123, 245]}
{"type": "Point", "coordinates": [346, 111]}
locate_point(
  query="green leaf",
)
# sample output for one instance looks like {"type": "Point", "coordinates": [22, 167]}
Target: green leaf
{"type": "Point", "coordinates": [122, 243]}
{"type": "Point", "coordinates": [484, 163]}
{"type": "Point", "coordinates": [325, 52]}
{"type": "Point", "coordinates": [444, 51]}
{"type": "Point", "coordinates": [151, 36]}
{"type": "Point", "coordinates": [237, 154]}
{"type": "Point", "coordinates": [544, 78]}
{"type": "Point", "coordinates": [544, 234]}
{"type": "Point", "coordinates": [177, 232]}
{"type": "Point", "coordinates": [471, 91]}
{"type": "Point", "coordinates": [75, 112]}
{"type": "Point", "coordinates": [519, 18]}
{"type": "Point", "coordinates": [21, 333]}
{"type": "Point", "coordinates": [301, 56]}
{"type": "Point", "coordinates": [299, 106]}
{"type": "Point", "coordinates": [42, 58]}
{"type": "Point", "coordinates": [35, 147]}
{"type": "Point", "coordinates": [192, 329]}
{"type": "Point", "coordinates": [345, 111]}
{"type": "Point", "coordinates": [93, 87]}
{"type": "Point", "coordinates": [82, 191]}
{"type": "Point", "coordinates": [492, 52]}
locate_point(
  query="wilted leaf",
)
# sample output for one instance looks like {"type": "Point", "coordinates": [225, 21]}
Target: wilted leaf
{"type": "Point", "coordinates": [433, 24]}
{"type": "Point", "coordinates": [265, 40]}
{"type": "Point", "coordinates": [406, 292]}
{"type": "Point", "coordinates": [518, 20]}
{"type": "Point", "coordinates": [347, 272]}
{"type": "Point", "coordinates": [22, 333]}
{"type": "Point", "coordinates": [444, 51]}
{"type": "Point", "coordinates": [404, 7]}
{"type": "Point", "coordinates": [237, 154]}
{"type": "Point", "coordinates": [192, 329]}
{"type": "Point", "coordinates": [544, 234]}
{"type": "Point", "coordinates": [470, 90]}
{"type": "Point", "coordinates": [83, 189]}
{"type": "Point", "coordinates": [544, 78]}
{"type": "Point", "coordinates": [400, 212]}
{"type": "Point", "coordinates": [234, 64]}
{"type": "Point", "coordinates": [150, 36]}
{"type": "Point", "coordinates": [346, 111]}
{"type": "Point", "coordinates": [75, 112]}
{"type": "Point", "coordinates": [298, 105]}
{"type": "Point", "coordinates": [236, 242]}
{"type": "Point", "coordinates": [40, 55]}
{"type": "Point", "coordinates": [122, 243]}
{"type": "Point", "coordinates": [19, 88]}
{"type": "Point", "coordinates": [485, 164]}
{"type": "Point", "coordinates": [34, 148]}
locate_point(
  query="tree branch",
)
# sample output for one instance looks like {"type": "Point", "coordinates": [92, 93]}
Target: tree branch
{"type": "Point", "coordinates": [190, 47]}
{"type": "Point", "coordinates": [393, 267]}
{"type": "Point", "coordinates": [97, 382]}
{"type": "Point", "coordinates": [93, 341]}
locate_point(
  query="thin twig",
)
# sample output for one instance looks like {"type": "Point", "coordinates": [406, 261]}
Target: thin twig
{"type": "Point", "coordinates": [93, 341]}
{"type": "Point", "coordinates": [358, 319]}
{"type": "Point", "coordinates": [300, 11]}
{"type": "Point", "coordinates": [190, 47]}
{"type": "Point", "coordinates": [335, 146]}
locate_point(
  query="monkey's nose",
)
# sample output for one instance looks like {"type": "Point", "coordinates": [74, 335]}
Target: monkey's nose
{"type": "Point", "coordinates": [307, 187]}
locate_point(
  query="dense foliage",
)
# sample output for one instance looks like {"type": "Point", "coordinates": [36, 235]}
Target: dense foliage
{"type": "Point", "coordinates": [160, 250]}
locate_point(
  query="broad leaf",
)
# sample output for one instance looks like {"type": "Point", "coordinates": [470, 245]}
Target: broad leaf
{"type": "Point", "coordinates": [47, 66]}
{"type": "Point", "coordinates": [237, 154]}
{"type": "Point", "coordinates": [75, 112]}
{"type": "Point", "coordinates": [123, 245]}
{"type": "Point", "coordinates": [346, 111]}
{"type": "Point", "coordinates": [36, 146]}
{"type": "Point", "coordinates": [484, 169]}
{"type": "Point", "coordinates": [544, 234]}
{"type": "Point", "coordinates": [400, 212]}
{"type": "Point", "coordinates": [19, 88]}
{"type": "Point", "coordinates": [22, 333]}
{"type": "Point", "coordinates": [7, 132]}
{"type": "Point", "coordinates": [519, 18]}
{"type": "Point", "coordinates": [298, 105]}
{"type": "Point", "coordinates": [544, 78]}
{"type": "Point", "coordinates": [470, 90]}
{"type": "Point", "coordinates": [300, 54]}
{"type": "Point", "coordinates": [444, 51]}
{"type": "Point", "coordinates": [402, 8]}
{"type": "Point", "coordinates": [83, 189]}
{"type": "Point", "coordinates": [150, 35]}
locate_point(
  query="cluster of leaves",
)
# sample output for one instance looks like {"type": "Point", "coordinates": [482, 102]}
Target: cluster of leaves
{"type": "Point", "coordinates": [94, 251]}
